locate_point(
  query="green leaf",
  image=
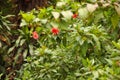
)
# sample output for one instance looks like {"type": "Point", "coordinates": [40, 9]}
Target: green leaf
{"type": "Point", "coordinates": [1, 75]}
{"type": "Point", "coordinates": [31, 49]}
{"type": "Point", "coordinates": [26, 30]}
{"type": "Point", "coordinates": [5, 24]}
{"type": "Point", "coordinates": [18, 41]}
{"type": "Point", "coordinates": [28, 17]}
{"type": "Point", "coordinates": [64, 41]}
{"type": "Point", "coordinates": [77, 74]}
{"type": "Point", "coordinates": [38, 29]}
{"type": "Point", "coordinates": [99, 16]}
{"type": "Point", "coordinates": [84, 48]}
{"type": "Point", "coordinates": [22, 42]}
{"type": "Point", "coordinates": [96, 75]}
{"type": "Point", "coordinates": [11, 49]}
{"type": "Point", "coordinates": [25, 53]}
{"type": "Point", "coordinates": [23, 23]}
{"type": "Point", "coordinates": [42, 13]}
{"type": "Point", "coordinates": [1, 26]}
{"type": "Point", "coordinates": [109, 61]}
{"type": "Point", "coordinates": [0, 44]}
{"type": "Point", "coordinates": [96, 39]}
{"type": "Point", "coordinates": [115, 20]}
{"type": "Point", "coordinates": [84, 62]}
{"type": "Point", "coordinates": [54, 24]}
{"type": "Point", "coordinates": [36, 20]}
{"type": "Point", "coordinates": [83, 13]}
{"type": "Point", "coordinates": [117, 45]}
{"type": "Point", "coordinates": [44, 21]}
{"type": "Point", "coordinates": [26, 75]}
{"type": "Point", "coordinates": [100, 71]}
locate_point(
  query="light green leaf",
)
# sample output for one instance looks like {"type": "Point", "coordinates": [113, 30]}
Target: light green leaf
{"type": "Point", "coordinates": [77, 74]}
{"type": "Point", "coordinates": [44, 21]}
{"type": "Point", "coordinates": [96, 75]}
{"type": "Point", "coordinates": [83, 13]}
{"type": "Point", "coordinates": [0, 44]}
{"type": "Point", "coordinates": [100, 71]}
{"type": "Point", "coordinates": [5, 24]}
{"type": "Point", "coordinates": [67, 14]}
{"type": "Point", "coordinates": [60, 4]}
{"type": "Point", "coordinates": [36, 20]}
{"type": "Point", "coordinates": [26, 75]}
{"type": "Point", "coordinates": [22, 42]}
{"type": "Point", "coordinates": [25, 53]}
{"type": "Point", "coordinates": [56, 15]}
{"type": "Point", "coordinates": [28, 17]}
{"type": "Point", "coordinates": [54, 24]}
{"type": "Point", "coordinates": [23, 23]}
{"type": "Point", "coordinates": [109, 61]}
{"type": "Point", "coordinates": [1, 75]}
{"type": "Point", "coordinates": [117, 45]}
{"type": "Point", "coordinates": [1, 26]}
{"type": "Point", "coordinates": [11, 49]}
{"type": "Point", "coordinates": [31, 49]}
{"type": "Point", "coordinates": [18, 41]}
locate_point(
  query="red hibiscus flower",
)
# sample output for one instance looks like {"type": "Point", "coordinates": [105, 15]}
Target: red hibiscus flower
{"type": "Point", "coordinates": [55, 31]}
{"type": "Point", "coordinates": [35, 35]}
{"type": "Point", "coordinates": [74, 15]}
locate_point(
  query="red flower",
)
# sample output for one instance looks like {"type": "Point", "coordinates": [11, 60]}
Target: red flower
{"type": "Point", "coordinates": [35, 35]}
{"type": "Point", "coordinates": [55, 31]}
{"type": "Point", "coordinates": [74, 15]}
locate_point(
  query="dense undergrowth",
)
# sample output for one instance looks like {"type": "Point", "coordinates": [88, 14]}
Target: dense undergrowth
{"type": "Point", "coordinates": [68, 41]}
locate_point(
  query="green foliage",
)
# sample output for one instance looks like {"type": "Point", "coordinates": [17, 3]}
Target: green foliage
{"type": "Point", "coordinates": [5, 7]}
{"type": "Point", "coordinates": [5, 33]}
{"type": "Point", "coordinates": [84, 48]}
{"type": "Point", "coordinates": [68, 41]}
{"type": "Point", "coordinates": [4, 30]}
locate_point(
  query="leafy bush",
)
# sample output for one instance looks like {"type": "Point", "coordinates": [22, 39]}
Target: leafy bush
{"type": "Point", "coordinates": [73, 41]}
{"type": "Point", "coordinates": [5, 33]}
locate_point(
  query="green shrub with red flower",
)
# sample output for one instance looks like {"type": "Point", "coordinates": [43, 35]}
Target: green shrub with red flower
{"type": "Point", "coordinates": [71, 41]}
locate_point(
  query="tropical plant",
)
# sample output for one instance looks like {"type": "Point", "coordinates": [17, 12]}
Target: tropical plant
{"type": "Point", "coordinates": [73, 41]}
{"type": "Point", "coordinates": [5, 36]}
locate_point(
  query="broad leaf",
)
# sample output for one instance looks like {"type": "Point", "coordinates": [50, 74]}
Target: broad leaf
{"type": "Point", "coordinates": [67, 14]}
{"type": "Point", "coordinates": [56, 15]}
{"type": "Point", "coordinates": [83, 13]}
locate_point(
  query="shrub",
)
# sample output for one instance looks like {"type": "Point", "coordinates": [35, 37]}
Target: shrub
{"type": "Point", "coordinates": [73, 41]}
